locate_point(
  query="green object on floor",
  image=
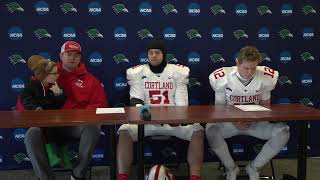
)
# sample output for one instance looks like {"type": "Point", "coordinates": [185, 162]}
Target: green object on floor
{"type": "Point", "coordinates": [53, 158]}
{"type": "Point", "coordinates": [64, 155]}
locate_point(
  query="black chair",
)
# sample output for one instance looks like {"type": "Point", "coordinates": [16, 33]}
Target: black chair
{"type": "Point", "coordinates": [253, 147]}
{"type": "Point", "coordinates": [166, 150]}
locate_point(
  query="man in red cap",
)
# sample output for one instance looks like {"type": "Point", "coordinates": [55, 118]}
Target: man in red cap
{"type": "Point", "coordinates": [83, 91]}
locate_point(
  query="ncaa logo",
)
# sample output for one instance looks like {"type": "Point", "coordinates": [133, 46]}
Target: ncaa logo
{"type": "Point", "coordinates": [286, 9]}
{"type": "Point", "coordinates": [69, 33]}
{"type": "Point", "coordinates": [263, 33]}
{"type": "Point", "coordinates": [306, 79]}
{"type": "Point", "coordinates": [193, 58]}
{"type": "Point", "coordinates": [19, 134]}
{"type": "Point", "coordinates": [194, 9]}
{"type": "Point", "coordinates": [237, 149]}
{"type": "Point", "coordinates": [17, 85]}
{"type": "Point", "coordinates": [241, 9]}
{"type": "Point", "coordinates": [217, 34]}
{"type": "Point", "coordinates": [46, 55]}
{"type": "Point", "coordinates": [95, 59]}
{"type": "Point", "coordinates": [120, 33]}
{"type": "Point", "coordinates": [285, 57]}
{"type": "Point", "coordinates": [98, 155]}
{"type": "Point", "coordinates": [41, 7]}
{"type": "Point", "coordinates": [169, 33]}
{"type": "Point", "coordinates": [145, 9]}
{"type": "Point", "coordinates": [94, 8]}
{"type": "Point", "coordinates": [308, 33]}
{"type": "Point", "coordinates": [1, 159]}
{"type": "Point", "coordinates": [15, 33]}
{"type": "Point", "coordinates": [120, 83]}
{"type": "Point", "coordinates": [284, 101]}
{"type": "Point", "coordinates": [143, 58]}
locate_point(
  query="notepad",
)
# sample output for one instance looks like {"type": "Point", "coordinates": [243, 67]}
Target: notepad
{"type": "Point", "coordinates": [109, 110]}
{"type": "Point", "coordinates": [252, 108]}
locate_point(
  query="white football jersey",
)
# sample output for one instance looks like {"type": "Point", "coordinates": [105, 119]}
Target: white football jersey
{"type": "Point", "coordinates": [225, 80]}
{"type": "Point", "coordinates": [164, 89]}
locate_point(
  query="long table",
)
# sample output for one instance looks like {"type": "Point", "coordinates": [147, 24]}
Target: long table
{"type": "Point", "coordinates": [207, 114]}
{"type": "Point", "coordinates": [74, 117]}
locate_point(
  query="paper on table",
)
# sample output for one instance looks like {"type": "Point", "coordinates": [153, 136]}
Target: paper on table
{"type": "Point", "coordinates": [252, 108]}
{"type": "Point", "coordinates": [109, 110]}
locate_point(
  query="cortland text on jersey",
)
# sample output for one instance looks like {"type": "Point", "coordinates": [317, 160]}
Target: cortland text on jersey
{"type": "Point", "coordinates": [250, 99]}
{"type": "Point", "coordinates": [158, 85]}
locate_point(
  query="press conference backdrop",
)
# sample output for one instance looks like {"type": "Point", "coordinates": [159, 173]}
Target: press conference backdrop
{"type": "Point", "coordinates": [203, 35]}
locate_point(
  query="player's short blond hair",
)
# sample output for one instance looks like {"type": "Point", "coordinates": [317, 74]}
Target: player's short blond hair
{"type": "Point", "coordinates": [249, 53]}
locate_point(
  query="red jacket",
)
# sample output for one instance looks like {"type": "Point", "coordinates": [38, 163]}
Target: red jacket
{"type": "Point", "coordinates": [82, 89]}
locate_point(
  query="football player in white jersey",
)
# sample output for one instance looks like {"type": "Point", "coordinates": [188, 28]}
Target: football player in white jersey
{"type": "Point", "coordinates": [245, 83]}
{"type": "Point", "coordinates": [159, 84]}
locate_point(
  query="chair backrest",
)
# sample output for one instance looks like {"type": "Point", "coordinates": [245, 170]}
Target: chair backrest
{"type": "Point", "coordinates": [164, 150]}
{"type": "Point", "coordinates": [243, 148]}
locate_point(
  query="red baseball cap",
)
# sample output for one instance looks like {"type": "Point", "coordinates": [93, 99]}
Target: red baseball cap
{"type": "Point", "coordinates": [70, 46]}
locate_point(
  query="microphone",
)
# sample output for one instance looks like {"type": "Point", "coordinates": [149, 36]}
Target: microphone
{"type": "Point", "coordinates": [145, 113]}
